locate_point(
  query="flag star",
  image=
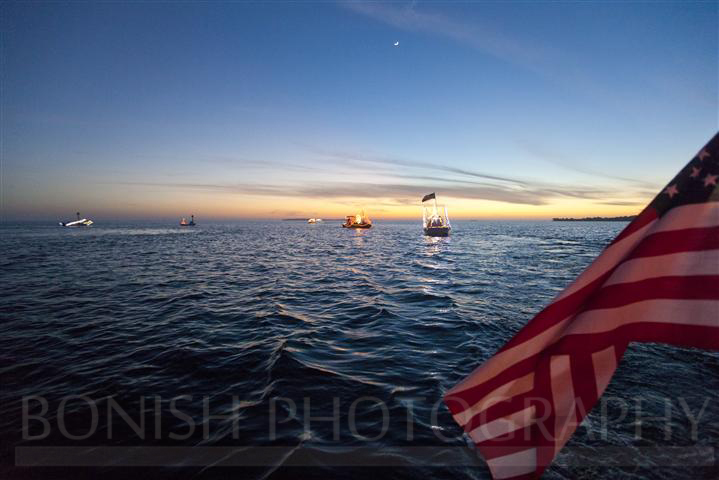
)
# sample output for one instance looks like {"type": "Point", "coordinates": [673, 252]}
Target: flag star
{"type": "Point", "coordinates": [671, 190]}
{"type": "Point", "coordinates": [703, 154]}
{"type": "Point", "coordinates": [695, 172]}
{"type": "Point", "coordinates": [710, 180]}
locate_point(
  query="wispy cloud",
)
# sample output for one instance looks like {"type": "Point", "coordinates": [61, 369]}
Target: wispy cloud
{"type": "Point", "coordinates": [563, 160]}
{"type": "Point", "coordinates": [519, 188]}
{"type": "Point", "coordinates": [395, 187]}
{"type": "Point", "coordinates": [355, 157]}
{"type": "Point", "coordinates": [621, 203]}
{"type": "Point", "coordinates": [230, 161]}
{"type": "Point", "coordinates": [408, 194]}
{"type": "Point", "coordinates": [479, 36]}
{"type": "Point", "coordinates": [347, 176]}
{"type": "Point", "coordinates": [401, 194]}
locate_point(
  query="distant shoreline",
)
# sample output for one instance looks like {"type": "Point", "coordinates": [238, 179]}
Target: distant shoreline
{"type": "Point", "coordinates": [305, 219]}
{"type": "Point", "coordinates": [628, 218]}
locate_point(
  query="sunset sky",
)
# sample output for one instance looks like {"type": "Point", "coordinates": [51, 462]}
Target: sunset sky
{"type": "Point", "coordinates": [301, 109]}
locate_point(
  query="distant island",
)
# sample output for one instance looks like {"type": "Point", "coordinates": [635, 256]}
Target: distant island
{"type": "Point", "coordinates": [628, 218]}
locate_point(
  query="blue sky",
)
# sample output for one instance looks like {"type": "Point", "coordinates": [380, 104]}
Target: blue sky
{"type": "Point", "coordinates": [233, 110]}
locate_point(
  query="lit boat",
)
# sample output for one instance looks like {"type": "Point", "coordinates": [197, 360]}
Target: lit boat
{"type": "Point", "coordinates": [435, 223]}
{"type": "Point", "coordinates": [80, 222]}
{"type": "Point", "coordinates": [185, 223]}
{"type": "Point", "coordinates": [314, 220]}
{"type": "Point", "coordinates": [357, 221]}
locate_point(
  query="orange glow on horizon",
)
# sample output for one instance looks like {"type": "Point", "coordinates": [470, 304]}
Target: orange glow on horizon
{"type": "Point", "coordinates": [228, 206]}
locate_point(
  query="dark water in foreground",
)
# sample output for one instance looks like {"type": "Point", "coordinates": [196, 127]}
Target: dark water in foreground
{"type": "Point", "coordinates": [296, 321]}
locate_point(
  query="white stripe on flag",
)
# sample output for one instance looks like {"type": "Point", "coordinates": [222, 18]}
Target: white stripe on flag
{"type": "Point", "coordinates": [565, 416]}
{"type": "Point", "coordinates": [704, 262]}
{"type": "Point", "coordinates": [502, 426]}
{"type": "Point", "coordinates": [510, 389]}
{"type": "Point", "coordinates": [515, 464]}
{"type": "Point", "coordinates": [703, 313]}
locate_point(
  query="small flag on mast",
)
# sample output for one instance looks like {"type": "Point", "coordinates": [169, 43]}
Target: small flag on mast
{"type": "Point", "coordinates": [428, 197]}
{"type": "Point", "coordinates": [658, 281]}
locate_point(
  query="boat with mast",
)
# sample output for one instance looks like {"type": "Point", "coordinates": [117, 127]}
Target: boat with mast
{"type": "Point", "coordinates": [80, 222]}
{"type": "Point", "coordinates": [434, 218]}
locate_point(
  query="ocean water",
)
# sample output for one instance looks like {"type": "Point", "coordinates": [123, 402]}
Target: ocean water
{"type": "Point", "coordinates": [327, 351]}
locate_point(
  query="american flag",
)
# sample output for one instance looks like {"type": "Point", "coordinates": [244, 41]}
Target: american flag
{"type": "Point", "coordinates": [658, 281]}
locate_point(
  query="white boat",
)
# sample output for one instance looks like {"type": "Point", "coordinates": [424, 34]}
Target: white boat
{"type": "Point", "coordinates": [434, 218]}
{"type": "Point", "coordinates": [314, 220]}
{"type": "Point", "coordinates": [80, 222]}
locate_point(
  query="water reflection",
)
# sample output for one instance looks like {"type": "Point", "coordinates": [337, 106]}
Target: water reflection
{"type": "Point", "coordinates": [435, 245]}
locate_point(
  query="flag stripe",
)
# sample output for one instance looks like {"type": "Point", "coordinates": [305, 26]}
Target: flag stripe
{"type": "Point", "coordinates": [501, 409]}
{"type": "Point", "coordinates": [605, 363]}
{"type": "Point", "coordinates": [680, 287]}
{"type": "Point", "coordinates": [704, 335]}
{"type": "Point", "coordinates": [682, 263]}
{"type": "Point", "coordinates": [507, 390]}
{"type": "Point", "coordinates": [688, 239]}
{"type": "Point", "coordinates": [583, 379]}
{"type": "Point", "coordinates": [515, 464]}
{"type": "Point", "coordinates": [500, 447]}
{"type": "Point", "coordinates": [563, 397]}
{"type": "Point", "coordinates": [676, 311]}
{"type": "Point", "coordinates": [503, 425]}
{"type": "Point", "coordinates": [697, 336]}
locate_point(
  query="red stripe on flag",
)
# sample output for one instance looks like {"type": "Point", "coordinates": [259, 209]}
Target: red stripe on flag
{"type": "Point", "coordinates": [647, 216]}
{"type": "Point", "coordinates": [498, 447]}
{"type": "Point", "coordinates": [584, 381]}
{"type": "Point", "coordinates": [673, 241]}
{"type": "Point", "coordinates": [700, 336]}
{"type": "Point", "coordinates": [499, 410]}
{"type": "Point", "coordinates": [680, 287]}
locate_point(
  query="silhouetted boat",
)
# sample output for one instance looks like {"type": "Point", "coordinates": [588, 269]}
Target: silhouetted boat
{"type": "Point", "coordinates": [185, 223]}
{"type": "Point", "coordinates": [357, 221]}
{"type": "Point", "coordinates": [80, 222]}
{"type": "Point", "coordinates": [434, 222]}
